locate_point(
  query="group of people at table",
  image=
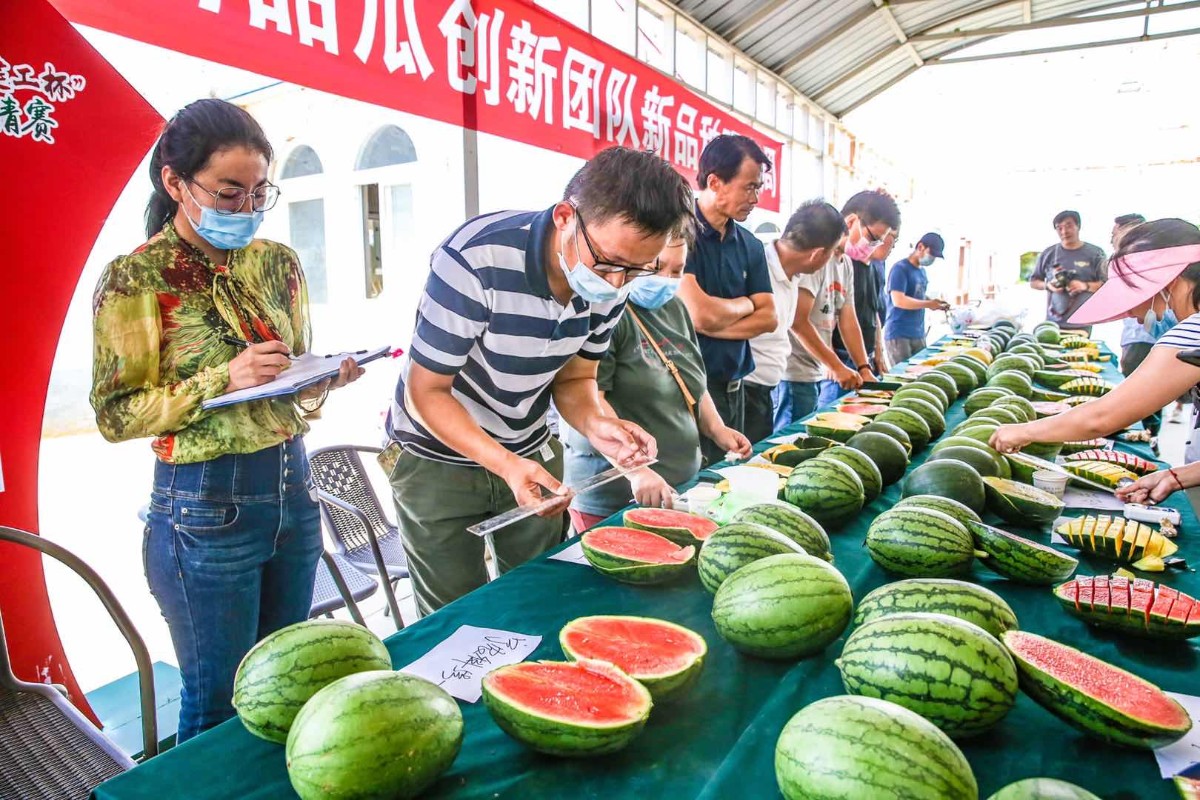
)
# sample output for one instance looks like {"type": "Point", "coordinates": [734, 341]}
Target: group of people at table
{"type": "Point", "coordinates": [641, 313]}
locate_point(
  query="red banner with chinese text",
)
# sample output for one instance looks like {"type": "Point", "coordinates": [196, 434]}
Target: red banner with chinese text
{"type": "Point", "coordinates": [498, 66]}
{"type": "Point", "coordinates": [71, 132]}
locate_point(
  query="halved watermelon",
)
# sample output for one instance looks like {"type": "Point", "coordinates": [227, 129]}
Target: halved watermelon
{"type": "Point", "coordinates": [635, 556]}
{"type": "Point", "coordinates": [1189, 788]}
{"type": "Point", "coordinates": [1094, 696]}
{"type": "Point", "coordinates": [863, 409]}
{"type": "Point", "coordinates": [1048, 408]}
{"type": "Point", "coordinates": [664, 657]}
{"type": "Point", "coordinates": [581, 708]}
{"type": "Point", "coordinates": [678, 526]}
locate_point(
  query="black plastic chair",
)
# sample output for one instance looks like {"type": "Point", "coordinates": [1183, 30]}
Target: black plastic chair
{"type": "Point", "coordinates": [340, 585]}
{"type": "Point", "coordinates": [353, 515]}
{"type": "Point", "coordinates": [48, 748]}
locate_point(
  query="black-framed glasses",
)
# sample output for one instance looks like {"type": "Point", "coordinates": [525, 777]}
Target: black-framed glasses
{"type": "Point", "coordinates": [231, 200]}
{"type": "Point", "coordinates": [876, 242]}
{"type": "Point", "coordinates": [607, 267]}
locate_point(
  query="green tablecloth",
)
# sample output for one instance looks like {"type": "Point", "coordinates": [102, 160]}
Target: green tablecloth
{"type": "Point", "coordinates": [719, 741]}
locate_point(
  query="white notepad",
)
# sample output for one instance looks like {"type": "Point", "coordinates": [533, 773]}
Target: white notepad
{"type": "Point", "coordinates": [305, 371]}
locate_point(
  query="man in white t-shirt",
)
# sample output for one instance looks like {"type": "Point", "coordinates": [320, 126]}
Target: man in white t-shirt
{"type": "Point", "coordinates": [805, 247]}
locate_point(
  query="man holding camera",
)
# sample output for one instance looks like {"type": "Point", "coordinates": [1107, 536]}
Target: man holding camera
{"type": "Point", "coordinates": [1070, 271]}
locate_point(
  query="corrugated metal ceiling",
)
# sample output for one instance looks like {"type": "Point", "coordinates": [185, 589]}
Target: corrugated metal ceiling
{"type": "Point", "coordinates": [841, 53]}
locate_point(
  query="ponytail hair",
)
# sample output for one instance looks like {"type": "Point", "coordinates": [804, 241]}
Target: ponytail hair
{"type": "Point", "coordinates": [189, 139]}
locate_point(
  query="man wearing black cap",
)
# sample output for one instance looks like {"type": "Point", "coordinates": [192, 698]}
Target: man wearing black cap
{"type": "Point", "coordinates": [904, 330]}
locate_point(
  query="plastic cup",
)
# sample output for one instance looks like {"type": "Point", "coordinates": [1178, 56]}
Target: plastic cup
{"type": "Point", "coordinates": [752, 484]}
{"type": "Point", "coordinates": [1050, 482]}
{"type": "Point", "coordinates": [699, 498]}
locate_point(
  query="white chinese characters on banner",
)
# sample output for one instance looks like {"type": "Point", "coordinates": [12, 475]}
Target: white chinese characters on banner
{"type": "Point", "coordinates": [619, 123]}
{"type": "Point", "coordinates": [581, 92]}
{"type": "Point", "coordinates": [656, 125]}
{"type": "Point", "coordinates": [531, 78]}
{"type": "Point", "coordinates": [35, 117]}
{"type": "Point", "coordinates": [686, 151]}
{"type": "Point", "coordinates": [407, 55]}
{"type": "Point", "coordinates": [472, 50]}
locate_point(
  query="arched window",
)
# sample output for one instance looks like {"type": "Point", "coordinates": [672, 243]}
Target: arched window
{"type": "Point", "coordinates": [387, 146]}
{"type": "Point", "coordinates": [303, 161]}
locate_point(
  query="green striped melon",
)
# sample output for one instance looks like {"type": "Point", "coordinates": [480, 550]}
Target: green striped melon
{"type": "Point", "coordinates": [1018, 403]}
{"type": "Point", "coordinates": [1020, 559]}
{"type": "Point", "coordinates": [1011, 361]}
{"type": "Point", "coordinates": [920, 543]}
{"type": "Point", "coordinates": [346, 740]}
{"type": "Point", "coordinates": [893, 431]}
{"type": "Point", "coordinates": [664, 657]}
{"type": "Point", "coordinates": [1020, 504]}
{"type": "Point", "coordinates": [974, 364]}
{"type": "Point", "coordinates": [956, 440]}
{"type": "Point", "coordinates": [634, 556]}
{"type": "Point", "coordinates": [1043, 788]}
{"type": "Point", "coordinates": [863, 466]}
{"type": "Point", "coordinates": [927, 392]}
{"type": "Point", "coordinates": [887, 453]}
{"type": "Point", "coordinates": [577, 708]}
{"type": "Point", "coordinates": [783, 607]}
{"type": "Point", "coordinates": [964, 379]}
{"type": "Point", "coordinates": [1095, 697]}
{"type": "Point", "coordinates": [785, 518]}
{"type": "Point", "coordinates": [280, 673]}
{"type": "Point", "coordinates": [829, 491]}
{"type": "Point", "coordinates": [1047, 451]}
{"type": "Point", "coordinates": [734, 546]}
{"type": "Point", "coordinates": [960, 599]}
{"type": "Point", "coordinates": [984, 462]}
{"type": "Point", "coordinates": [933, 416]}
{"type": "Point", "coordinates": [910, 422]}
{"type": "Point", "coordinates": [947, 384]}
{"type": "Point", "coordinates": [901, 657]}
{"type": "Point", "coordinates": [947, 478]}
{"type": "Point", "coordinates": [1000, 414]}
{"type": "Point", "coordinates": [982, 398]}
{"type": "Point", "coordinates": [946, 505]}
{"type": "Point", "coordinates": [980, 430]}
{"type": "Point", "coordinates": [1138, 607]}
{"type": "Point", "coordinates": [859, 747]}
{"type": "Point", "coordinates": [1015, 381]}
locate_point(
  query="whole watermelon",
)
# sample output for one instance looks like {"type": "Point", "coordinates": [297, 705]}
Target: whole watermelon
{"type": "Point", "coordinates": [373, 735]}
{"type": "Point", "coordinates": [280, 673]}
{"type": "Point", "coordinates": [828, 491]}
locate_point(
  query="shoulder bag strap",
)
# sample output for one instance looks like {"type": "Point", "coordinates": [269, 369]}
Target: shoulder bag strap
{"type": "Point", "coordinates": [668, 363]}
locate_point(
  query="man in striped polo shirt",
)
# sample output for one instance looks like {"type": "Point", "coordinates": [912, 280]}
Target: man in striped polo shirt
{"type": "Point", "coordinates": [518, 309]}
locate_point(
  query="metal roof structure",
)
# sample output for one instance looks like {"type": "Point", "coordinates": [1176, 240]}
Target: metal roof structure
{"type": "Point", "coordinates": [841, 53]}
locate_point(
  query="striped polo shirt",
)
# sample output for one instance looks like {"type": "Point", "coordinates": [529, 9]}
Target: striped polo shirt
{"type": "Point", "coordinates": [488, 318]}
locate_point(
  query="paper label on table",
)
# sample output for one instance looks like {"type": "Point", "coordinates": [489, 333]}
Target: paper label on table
{"type": "Point", "coordinates": [1177, 757]}
{"type": "Point", "coordinates": [1056, 538]}
{"type": "Point", "coordinates": [758, 459]}
{"type": "Point", "coordinates": [786, 438]}
{"type": "Point", "coordinates": [571, 555]}
{"type": "Point", "coordinates": [459, 663]}
{"type": "Point", "coordinates": [1075, 497]}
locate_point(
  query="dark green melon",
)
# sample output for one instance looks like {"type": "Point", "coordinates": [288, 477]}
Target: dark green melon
{"type": "Point", "coordinates": [887, 453]}
{"type": "Point", "coordinates": [948, 478]}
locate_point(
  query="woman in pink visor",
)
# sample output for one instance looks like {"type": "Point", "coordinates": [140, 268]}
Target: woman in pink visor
{"type": "Point", "coordinates": [1155, 277]}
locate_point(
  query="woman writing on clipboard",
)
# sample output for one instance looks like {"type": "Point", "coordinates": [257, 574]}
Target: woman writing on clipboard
{"type": "Point", "coordinates": [1154, 276]}
{"type": "Point", "coordinates": [233, 536]}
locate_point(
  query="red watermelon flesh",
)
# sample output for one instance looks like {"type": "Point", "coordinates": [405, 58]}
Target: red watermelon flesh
{"type": "Point", "coordinates": [1189, 788]}
{"type": "Point", "coordinates": [678, 526]}
{"type": "Point", "coordinates": [1180, 608]}
{"type": "Point", "coordinates": [1121, 691]}
{"type": "Point", "coordinates": [1164, 601]}
{"type": "Point", "coordinates": [644, 648]}
{"type": "Point", "coordinates": [863, 409]}
{"type": "Point", "coordinates": [918, 369]}
{"type": "Point", "coordinates": [1141, 598]}
{"type": "Point", "coordinates": [1045, 408]}
{"type": "Point", "coordinates": [1100, 593]}
{"type": "Point", "coordinates": [1119, 587]}
{"type": "Point", "coordinates": [587, 693]}
{"type": "Point", "coordinates": [636, 545]}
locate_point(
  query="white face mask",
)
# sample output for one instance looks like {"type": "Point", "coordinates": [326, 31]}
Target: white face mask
{"type": "Point", "coordinates": [585, 283]}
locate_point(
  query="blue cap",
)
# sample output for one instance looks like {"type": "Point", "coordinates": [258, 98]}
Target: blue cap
{"type": "Point", "coordinates": [934, 243]}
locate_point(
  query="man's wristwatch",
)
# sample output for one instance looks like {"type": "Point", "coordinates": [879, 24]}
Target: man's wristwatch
{"type": "Point", "coordinates": [861, 367]}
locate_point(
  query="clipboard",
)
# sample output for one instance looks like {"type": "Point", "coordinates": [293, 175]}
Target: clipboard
{"type": "Point", "coordinates": [305, 371]}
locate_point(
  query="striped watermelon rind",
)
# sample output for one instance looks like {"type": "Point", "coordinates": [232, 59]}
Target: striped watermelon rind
{"type": "Point", "coordinates": [345, 740]}
{"type": "Point", "coordinates": [1152, 618]}
{"type": "Point", "coordinates": [828, 491]}
{"type": "Point", "coordinates": [553, 730]}
{"type": "Point", "coordinates": [1021, 504]}
{"type": "Point", "coordinates": [947, 478]}
{"type": "Point", "coordinates": [1129, 461]}
{"type": "Point", "coordinates": [821, 753]}
{"type": "Point", "coordinates": [734, 546]}
{"type": "Point", "coordinates": [863, 466]}
{"type": "Point", "coordinates": [982, 398]}
{"type": "Point", "coordinates": [678, 526]}
{"type": "Point", "coordinates": [1102, 472]}
{"type": "Point", "coordinates": [783, 607]}
{"type": "Point", "coordinates": [920, 543]}
{"type": "Point", "coordinates": [946, 505]}
{"type": "Point", "coordinates": [1020, 559]}
{"type": "Point", "coordinates": [911, 423]}
{"type": "Point", "coordinates": [584, 638]}
{"type": "Point", "coordinates": [1053, 674]}
{"type": "Point", "coordinates": [783, 517]}
{"type": "Point", "coordinates": [888, 454]}
{"type": "Point", "coordinates": [284, 670]}
{"type": "Point", "coordinates": [955, 598]}
{"type": "Point", "coordinates": [899, 658]}
{"type": "Point", "coordinates": [932, 416]}
{"type": "Point", "coordinates": [1043, 789]}
{"type": "Point", "coordinates": [602, 547]}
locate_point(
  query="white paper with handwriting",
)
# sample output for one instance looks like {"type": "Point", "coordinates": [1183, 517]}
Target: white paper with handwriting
{"type": "Point", "coordinates": [459, 663]}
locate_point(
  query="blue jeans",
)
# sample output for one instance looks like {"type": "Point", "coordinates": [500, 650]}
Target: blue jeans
{"type": "Point", "coordinates": [794, 400]}
{"type": "Point", "coordinates": [830, 391]}
{"type": "Point", "coordinates": [230, 552]}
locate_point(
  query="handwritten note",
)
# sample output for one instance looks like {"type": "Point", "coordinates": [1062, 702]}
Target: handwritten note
{"type": "Point", "coordinates": [571, 555]}
{"type": "Point", "coordinates": [1089, 498]}
{"type": "Point", "coordinates": [459, 663]}
{"type": "Point", "coordinates": [1175, 758]}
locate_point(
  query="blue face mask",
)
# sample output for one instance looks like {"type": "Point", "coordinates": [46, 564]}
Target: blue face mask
{"type": "Point", "coordinates": [225, 231]}
{"type": "Point", "coordinates": [587, 284]}
{"type": "Point", "coordinates": [1156, 326]}
{"type": "Point", "coordinates": [653, 291]}
{"type": "Point", "coordinates": [926, 261]}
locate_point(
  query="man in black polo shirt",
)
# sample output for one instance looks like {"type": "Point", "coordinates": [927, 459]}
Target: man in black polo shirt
{"type": "Point", "coordinates": [726, 284]}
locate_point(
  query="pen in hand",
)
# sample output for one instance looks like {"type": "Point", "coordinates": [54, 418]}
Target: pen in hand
{"type": "Point", "coordinates": [242, 343]}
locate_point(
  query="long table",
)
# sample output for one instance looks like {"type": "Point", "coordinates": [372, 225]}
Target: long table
{"type": "Point", "coordinates": [719, 740]}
